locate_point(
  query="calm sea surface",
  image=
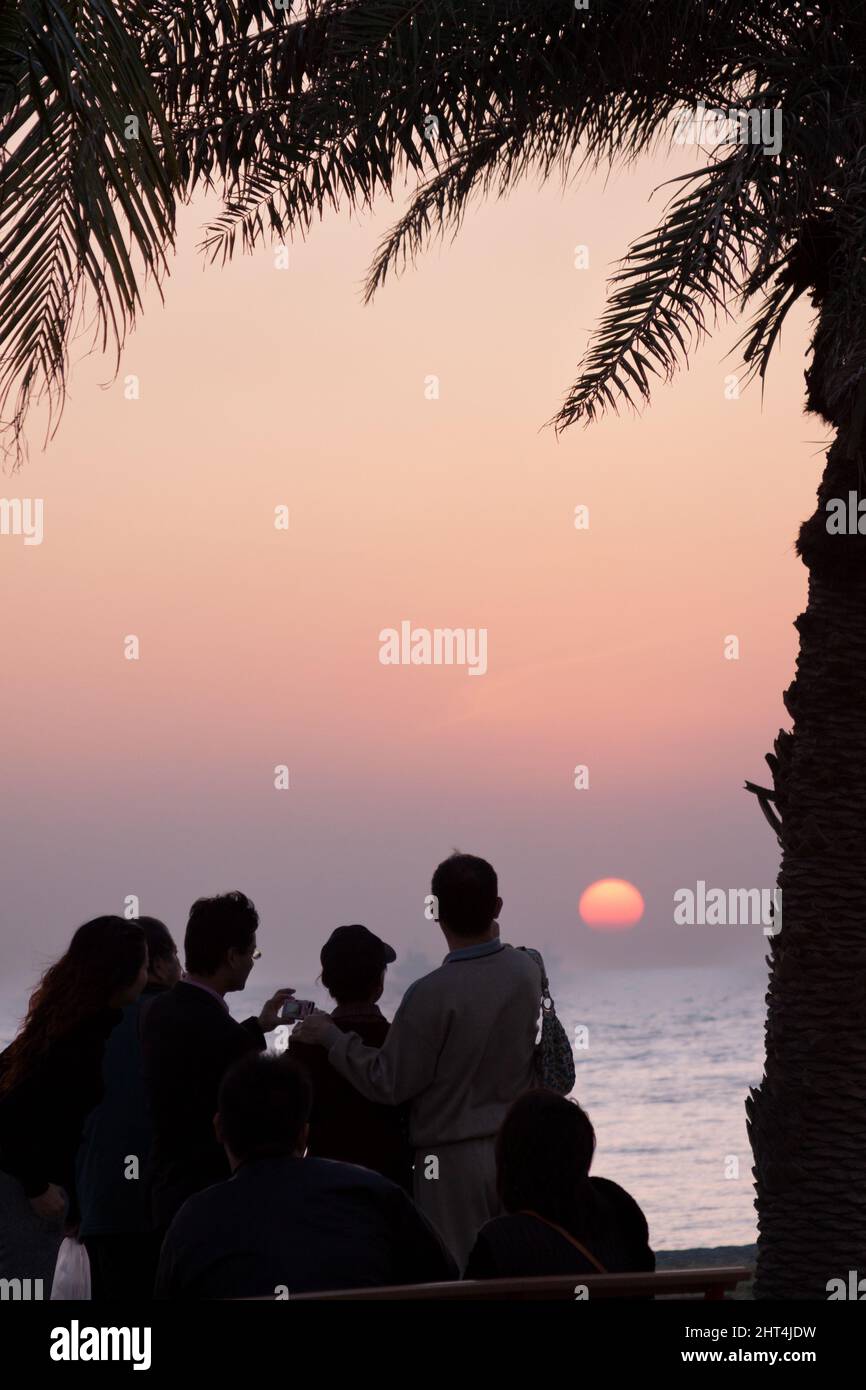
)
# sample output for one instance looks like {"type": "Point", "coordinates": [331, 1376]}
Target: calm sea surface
{"type": "Point", "coordinates": [671, 1056]}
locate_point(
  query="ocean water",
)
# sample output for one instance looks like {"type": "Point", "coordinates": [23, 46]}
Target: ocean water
{"type": "Point", "coordinates": [670, 1056]}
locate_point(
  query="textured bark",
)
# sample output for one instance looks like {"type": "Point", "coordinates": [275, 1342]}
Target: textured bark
{"type": "Point", "coordinates": [807, 1119]}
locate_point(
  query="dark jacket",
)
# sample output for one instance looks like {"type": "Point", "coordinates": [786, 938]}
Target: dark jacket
{"type": "Point", "coordinates": [344, 1125]}
{"type": "Point", "coordinates": [41, 1119]}
{"type": "Point", "coordinates": [188, 1042]}
{"type": "Point", "coordinates": [613, 1229]}
{"type": "Point", "coordinates": [301, 1225]}
{"type": "Point", "coordinates": [111, 1198]}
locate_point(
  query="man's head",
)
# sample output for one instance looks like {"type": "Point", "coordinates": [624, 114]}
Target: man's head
{"type": "Point", "coordinates": [163, 966]}
{"type": "Point", "coordinates": [467, 894]}
{"type": "Point", "coordinates": [263, 1109]}
{"type": "Point", "coordinates": [220, 940]}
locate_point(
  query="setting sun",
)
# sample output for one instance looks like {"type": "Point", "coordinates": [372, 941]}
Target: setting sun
{"type": "Point", "coordinates": [611, 904]}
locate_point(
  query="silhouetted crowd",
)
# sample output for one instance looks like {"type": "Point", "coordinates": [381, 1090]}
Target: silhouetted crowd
{"type": "Point", "coordinates": [138, 1118]}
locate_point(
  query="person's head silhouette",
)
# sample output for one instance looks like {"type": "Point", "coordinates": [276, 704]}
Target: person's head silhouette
{"type": "Point", "coordinates": [263, 1109]}
{"type": "Point", "coordinates": [220, 941]}
{"type": "Point", "coordinates": [544, 1150]}
{"type": "Point", "coordinates": [466, 894]}
{"type": "Point", "coordinates": [354, 961]}
{"type": "Point", "coordinates": [163, 968]}
{"type": "Point", "coordinates": [105, 966]}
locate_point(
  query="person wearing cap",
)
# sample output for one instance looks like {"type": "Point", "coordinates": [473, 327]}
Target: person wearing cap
{"type": "Point", "coordinates": [344, 1124]}
{"type": "Point", "coordinates": [461, 1049]}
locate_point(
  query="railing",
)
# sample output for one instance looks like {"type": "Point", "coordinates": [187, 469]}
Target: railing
{"type": "Point", "coordinates": [666, 1283]}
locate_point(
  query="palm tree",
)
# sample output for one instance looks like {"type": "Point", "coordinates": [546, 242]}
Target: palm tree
{"type": "Point", "coordinates": [336, 102]}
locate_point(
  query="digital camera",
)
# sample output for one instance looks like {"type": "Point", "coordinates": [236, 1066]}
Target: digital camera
{"type": "Point", "coordinates": [295, 1009]}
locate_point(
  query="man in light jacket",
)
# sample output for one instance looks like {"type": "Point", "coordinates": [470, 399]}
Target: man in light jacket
{"type": "Point", "coordinates": [460, 1050]}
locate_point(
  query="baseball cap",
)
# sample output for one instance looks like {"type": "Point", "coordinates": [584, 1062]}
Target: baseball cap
{"type": "Point", "coordinates": [355, 945]}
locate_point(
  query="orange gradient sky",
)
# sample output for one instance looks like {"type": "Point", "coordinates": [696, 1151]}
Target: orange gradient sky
{"type": "Point", "coordinates": [260, 647]}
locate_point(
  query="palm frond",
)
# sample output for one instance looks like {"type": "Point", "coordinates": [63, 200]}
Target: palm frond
{"type": "Point", "coordinates": [79, 199]}
{"type": "Point", "coordinates": [324, 104]}
{"type": "Point", "coordinates": [672, 288]}
{"type": "Point", "coordinates": [375, 70]}
{"type": "Point", "coordinates": [91, 175]}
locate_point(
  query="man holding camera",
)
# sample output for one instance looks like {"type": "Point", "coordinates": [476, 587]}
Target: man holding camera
{"type": "Point", "coordinates": [190, 1040]}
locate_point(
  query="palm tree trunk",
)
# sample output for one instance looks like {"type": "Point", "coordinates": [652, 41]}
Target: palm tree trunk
{"type": "Point", "coordinates": [807, 1118]}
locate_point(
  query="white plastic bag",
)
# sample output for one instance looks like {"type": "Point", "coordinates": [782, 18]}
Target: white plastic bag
{"type": "Point", "coordinates": [72, 1271]}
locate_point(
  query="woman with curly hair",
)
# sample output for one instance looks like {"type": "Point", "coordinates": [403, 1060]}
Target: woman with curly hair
{"type": "Point", "coordinates": [50, 1080]}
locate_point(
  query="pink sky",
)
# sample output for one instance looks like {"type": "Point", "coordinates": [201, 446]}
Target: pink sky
{"type": "Point", "coordinates": [260, 647]}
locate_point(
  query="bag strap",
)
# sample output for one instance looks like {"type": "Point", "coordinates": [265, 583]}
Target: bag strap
{"type": "Point", "coordinates": [545, 983]}
{"type": "Point", "coordinates": [587, 1254]}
